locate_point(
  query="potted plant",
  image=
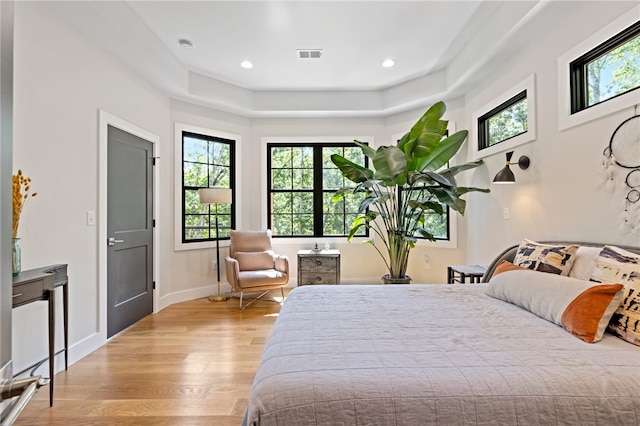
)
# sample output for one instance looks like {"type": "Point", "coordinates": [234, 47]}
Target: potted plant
{"type": "Point", "coordinates": [408, 181]}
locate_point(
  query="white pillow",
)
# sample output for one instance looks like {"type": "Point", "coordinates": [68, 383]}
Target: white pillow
{"type": "Point", "coordinates": [584, 262]}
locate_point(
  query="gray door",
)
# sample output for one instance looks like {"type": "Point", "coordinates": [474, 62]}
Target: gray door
{"type": "Point", "coordinates": [129, 229]}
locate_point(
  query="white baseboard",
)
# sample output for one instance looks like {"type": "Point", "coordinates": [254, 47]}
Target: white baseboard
{"type": "Point", "coordinates": [185, 295]}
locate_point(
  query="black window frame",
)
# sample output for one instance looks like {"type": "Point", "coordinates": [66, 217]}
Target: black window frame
{"type": "Point", "coordinates": [578, 79]}
{"type": "Point", "coordinates": [483, 121]}
{"type": "Point", "coordinates": [318, 231]}
{"type": "Point", "coordinates": [184, 188]}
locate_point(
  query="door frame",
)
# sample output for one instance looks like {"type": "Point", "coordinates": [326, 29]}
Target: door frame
{"type": "Point", "coordinates": [106, 119]}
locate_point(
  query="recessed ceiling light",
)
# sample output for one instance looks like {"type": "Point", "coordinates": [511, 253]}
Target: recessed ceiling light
{"type": "Point", "coordinates": [388, 63]}
{"type": "Point", "coordinates": [185, 44]}
{"type": "Point", "coordinates": [246, 65]}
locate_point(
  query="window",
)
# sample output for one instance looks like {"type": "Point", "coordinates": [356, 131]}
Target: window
{"type": "Point", "coordinates": [609, 70]}
{"type": "Point", "coordinates": [569, 112]}
{"type": "Point", "coordinates": [301, 182]}
{"type": "Point", "coordinates": [207, 161]}
{"type": "Point", "coordinates": [504, 122]}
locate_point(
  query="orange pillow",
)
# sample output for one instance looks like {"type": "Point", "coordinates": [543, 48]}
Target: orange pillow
{"type": "Point", "coordinates": [583, 315]}
{"type": "Point", "coordinates": [505, 266]}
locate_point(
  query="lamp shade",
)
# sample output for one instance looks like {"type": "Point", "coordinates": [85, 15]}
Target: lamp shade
{"type": "Point", "coordinates": [505, 176]}
{"type": "Point", "coordinates": [215, 195]}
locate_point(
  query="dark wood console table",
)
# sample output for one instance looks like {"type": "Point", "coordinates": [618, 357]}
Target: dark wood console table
{"type": "Point", "coordinates": [40, 284]}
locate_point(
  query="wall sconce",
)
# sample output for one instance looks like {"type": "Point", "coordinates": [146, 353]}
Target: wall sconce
{"type": "Point", "coordinates": [506, 175]}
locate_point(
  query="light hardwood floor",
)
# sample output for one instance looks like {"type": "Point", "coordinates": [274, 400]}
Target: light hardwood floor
{"type": "Point", "coordinates": [191, 364]}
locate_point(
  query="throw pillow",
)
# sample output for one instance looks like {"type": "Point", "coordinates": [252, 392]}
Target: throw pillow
{"type": "Point", "coordinates": [555, 259]}
{"type": "Point", "coordinates": [621, 266]}
{"type": "Point", "coordinates": [505, 266]}
{"type": "Point", "coordinates": [584, 262]}
{"type": "Point", "coordinates": [581, 307]}
{"type": "Point", "coordinates": [256, 260]}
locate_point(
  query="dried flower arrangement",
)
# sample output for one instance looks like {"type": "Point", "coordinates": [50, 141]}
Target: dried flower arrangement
{"type": "Point", "coordinates": [21, 187]}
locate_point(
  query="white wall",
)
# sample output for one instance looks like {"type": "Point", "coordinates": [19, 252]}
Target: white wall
{"type": "Point", "coordinates": [61, 81]}
{"type": "Point", "coordinates": [558, 197]}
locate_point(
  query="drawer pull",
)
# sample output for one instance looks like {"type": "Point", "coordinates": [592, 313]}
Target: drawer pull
{"type": "Point", "coordinates": [17, 295]}
{"type": "Point", "coordinates": [318, 262]}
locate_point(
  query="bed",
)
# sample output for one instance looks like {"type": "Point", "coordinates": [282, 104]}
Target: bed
{"type": "Point", "coordinates": [436, 355]}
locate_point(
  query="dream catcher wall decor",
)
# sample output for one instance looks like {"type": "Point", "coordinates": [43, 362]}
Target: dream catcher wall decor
{"type": "Point", "coordinates": [621, 167]}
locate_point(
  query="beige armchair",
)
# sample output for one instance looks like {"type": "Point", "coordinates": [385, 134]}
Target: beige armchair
{"type": "Point", "coordinates": [252, 265]}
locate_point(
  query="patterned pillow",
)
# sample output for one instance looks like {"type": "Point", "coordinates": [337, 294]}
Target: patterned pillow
{"type": "Point", "coordinates": [581, 307]}
{"type": "Point", "coordinates": [545, 257]}
{"type": "Point", "coordinates": [615, 265]}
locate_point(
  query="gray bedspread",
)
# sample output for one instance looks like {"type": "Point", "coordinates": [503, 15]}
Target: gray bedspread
{"type": "Point", "coordinates": [435, 355]}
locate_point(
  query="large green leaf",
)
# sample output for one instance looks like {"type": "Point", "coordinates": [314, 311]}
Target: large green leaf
{"type": "Point", "coordinates": [461, 190]}
{"type": "Point", "coordinates": [354, 230]}
{"type": "Point", "coordinates": [425, 234]}
{"type": "Point", "coordinates": [454, 170]}
{"type": "Point", "coordinates": [367, 202]}
{"type": "Point", "coordinates": [342, 193]}
{"type": "Point", "coordinates": [444, 152]}
{"type": "Point", "coordinates": [428, 131]}
{"type": "Point", "coordinates": [366, 149]}
{"type": "Point", "coordinates": [352, 171]}
{"type": "Point", "coordinates": [390, 164]}
{"type": "Point", "coordinates": [403, 142]}
{"type": "Point", "coordinates": [427, 206]}
{"type": "Point", "coordinates": [450, 198]}
{"type": "Point", "coordinates": [439, 178]}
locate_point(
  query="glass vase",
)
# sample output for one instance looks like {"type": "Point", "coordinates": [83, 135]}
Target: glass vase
{"type": "Point", "coordinates": [16, 257]}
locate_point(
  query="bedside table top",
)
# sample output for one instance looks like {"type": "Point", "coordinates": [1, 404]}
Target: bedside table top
{"type": "Point", "coordinates": [318, 252]}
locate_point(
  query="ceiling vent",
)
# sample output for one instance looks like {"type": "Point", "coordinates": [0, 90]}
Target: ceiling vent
{"type": "Point", "coordinates": [309, 53]}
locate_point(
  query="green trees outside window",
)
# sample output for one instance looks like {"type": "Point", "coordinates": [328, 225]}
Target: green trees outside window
{"type": "Point", "coordinates": [302, 180]}
{"type": "Point", "coordinates": [206, 162]}
{"type": "Point", "coordinates": [504, 122]}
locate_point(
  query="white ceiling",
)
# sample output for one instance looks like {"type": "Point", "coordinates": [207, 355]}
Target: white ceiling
{"type": "Point", "coordinates": [355, 37]}
{"type": "Point", "coordinates": [441, 48]}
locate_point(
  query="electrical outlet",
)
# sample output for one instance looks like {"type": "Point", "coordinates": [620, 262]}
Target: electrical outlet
{"type": "Point", "coordinates": [427, 262]}
{"type": "Point", "coordinates": [506, 214]}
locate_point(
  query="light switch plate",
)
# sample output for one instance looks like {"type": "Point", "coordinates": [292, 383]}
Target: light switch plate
{"type": "Point", "coordinates": [91, 218]}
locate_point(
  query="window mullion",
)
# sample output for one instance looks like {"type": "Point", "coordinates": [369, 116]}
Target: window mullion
{"type": "Point", "coordinates": [318, 193]}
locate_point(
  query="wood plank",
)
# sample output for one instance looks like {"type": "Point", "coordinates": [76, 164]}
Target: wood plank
{"type": "Point", "coordinates": [191, 364]}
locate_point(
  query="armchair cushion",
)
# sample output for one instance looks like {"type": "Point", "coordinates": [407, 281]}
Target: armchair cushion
{"type": "Point", "coordinates": [261, 280]}
{"type": "Point", "coordinates": [256, 260]}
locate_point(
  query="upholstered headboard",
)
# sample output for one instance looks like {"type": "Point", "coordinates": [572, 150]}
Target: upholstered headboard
{"type": "Point", "coordinates": [510, 253]}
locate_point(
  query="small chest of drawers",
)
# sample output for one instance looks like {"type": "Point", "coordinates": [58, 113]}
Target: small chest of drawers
{"type": "Point", "coordinates": [318, 267]}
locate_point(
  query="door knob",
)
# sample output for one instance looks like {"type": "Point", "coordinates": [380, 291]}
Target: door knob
{"type": "Point", "coordinates": [111, 241]}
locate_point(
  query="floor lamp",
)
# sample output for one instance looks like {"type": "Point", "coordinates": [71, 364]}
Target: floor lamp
{"type": "Point", "coordinates": [216, 196]}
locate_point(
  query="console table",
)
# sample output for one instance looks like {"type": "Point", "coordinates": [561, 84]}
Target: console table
{"type": "Point", "coordinates": [40, 284]}
{"type": "Point", "coordinates": [318, 267]}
